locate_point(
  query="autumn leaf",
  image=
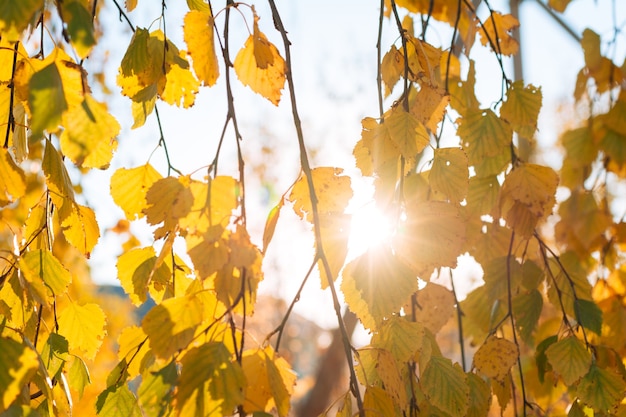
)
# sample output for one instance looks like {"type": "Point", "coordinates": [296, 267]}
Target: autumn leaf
{"type": "Point", "coordinates": [335, 233]}
{"type": "Point", "coordinates": [435, 306]}
{"type": "Point", "coordinates": [46, 100]}
{"type": "Point", "coordinates": [130, 186]}
{"type": "Point", "coordinates": [483, 134]}
{"type": "Point", "coordinates": [84, 328]}
{"type": "Point", "coordinates": [117, 400]}
{"type": "Point", "coordinates": [521, 108]}
{"type": "Point", "coordinates": [569, 358]}
{"type": "Point", "coordinates": [80, 26]}
{"type": "Point", "coordinates": [136, 269]}
{"type": "Point", "coordinates": [15, 17]}
{"type": "Point", "coordinates": [333, 192]}
{"type": "Point", "coordinates": [495, 358]}
{"type": "Point", "coordinates": [259, 65]}
{"type": "Point", "coordinates": [378, 401]}
{"type": "Point", "coordinates": [446, 387]}
{"type": "Point", "coordinates": [601, 389]}
{"type": "Point", "coordinates": [392, 68]}
{"type": "Point", "coordinates": [198, 33]}
{"type": "Point", "coordinates": [449, 173]}
{"type": "Point", "coordinates": [270, 224]}
{"type": "Point", "coordinates": [43, 265]}
{"type": "Point", "coordinates": [12, 179]}
{"type": "Point", "coordinates": [133, 344]}
{"type": "Point", "coordinates": [496, 31]}
{"type": "Point", "coordinates": [407, 133]}
{"type": "Point", "coordinates": [168, 200]}
{"type": "Point", "coordinates": [399, 336]}
{"type": "Point", "coordinates": [17, 366]}
{"type": "Point", "coordinates": [80, 228]}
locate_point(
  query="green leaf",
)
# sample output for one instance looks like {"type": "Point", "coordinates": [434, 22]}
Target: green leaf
{"type": "Point", "coordinates": [117, 401]}
{"type": "Point", "coordinates": [79, 26]}
{"type": "Point", "coordinates": [57, 178]}
{"type": "Point", "coordinates": [569, 358]}
{"type": "Point", "coordinates": [541, 359]}
{"type": "Point", "coordinates": [482, 194]}
{"type": "Point", "coordinates": [527, 310]}
{"type": "Point", "coordinates": [198, 5]}
{"type": "Point", "coordinates": [521, 108]}
{"type": "Point", "coordinates": [12, 179]}
{"type": "Point", "coordinates": [43, 265]}
{"type": "Point", "coordinates": [589, 315]}
{"type": "Point", "coordinates": [483, 134]}
{"type": "Point", "coordinates": [15, 16]}
{"type": "Point", "coordinates": [446, 386]}
{"type": "Point", "coordinates": [601, 389]}
{"type": "Point", "coordinates": [83, 327]}
{"type": "Point", "coordinates": [136, 270]}
{"type": "Point", "coordinates": [449, 173]}
{"type": "Point", "coordinates": [156, 389]}
{"type": "Point", "coordinates": [55, 353]}
{"type": "Point", "coordinates": [479, 396]}
{"type": "Point", "coordinates": [78, 376]}
{"type": "Point", "coordinates": [18, 364]}
{"type": "Point", "coordinates": [46, 99]}
{"type": "Point", "coordinates": [208, 367]}
{"type": "Point", "coordinates": [401, 337]}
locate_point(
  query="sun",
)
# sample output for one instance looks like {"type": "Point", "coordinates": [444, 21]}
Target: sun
{"type": "Point", "coordinates": [370, 227]}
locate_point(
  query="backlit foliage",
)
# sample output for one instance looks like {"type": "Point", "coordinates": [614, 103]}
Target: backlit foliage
{"type": "Point", "coordinates": [546, 325]}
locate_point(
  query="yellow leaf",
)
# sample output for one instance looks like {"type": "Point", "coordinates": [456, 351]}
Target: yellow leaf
{"type": "Point", "coordinates": [46, 100]}
{"type": "Point", "coordinates": [335, 232]}
{"type": "Point", "coordinates": [446, 386]}
{"type": "Point", "coordinates": [143, 104]}
{"type": "Point", "coordinates": [79, 25]}
{"type": "Point", "coordinates": [12, 179]}
{"type": "Point", "coordinates": [376, 150]}
{"type": "Point", "coordinates": [479, 396]}
{"type": "Point", "coordinates": [198, 32]}
{"type": "Point", "coordinates": [495, 358]}
{"type": "Point", "coordinates": [136, 269]}
{"type": "Point", "coordinates": [17, 366]}
{"type": "Point", "coordinates": [80, 228]}
{"type": "Point", "coordinates": [333, 192]}
{"type": "Point", "coordinates": [84, 328]}
{"type": "Point", "coordinates": [407, 133]}
{"type": "Point", "coordinates": [483, 134]}
{"type": "Point", "coordinates": [171, 325]}
{"type": "Point", "coordinates": [496, 31]}
{"type": "Point", "coordinates": [180, 87]}
{"type": "Point", "coordinates": [270, 381]}
{"type": "Point", "coordinates": [558, 5]}
{"type": "Point", "coordinates": [57, 178]}
{"type": "Point", "coordinates": [392, 68]}
{"type": "Point", "coordinates": [168, 200]}
{"type": "Point", "coordinates": [401, 337]}
{"type": "Point", "coordinates": [601, 389]}
{"type": "Point", "coordinates": [521, 108]}
{"type": "Point", "coordinates": [432, 237]}
{"type": "Point", "coordinates": [89, 135]}
{"type": "Point", "coordinates": [482, 194]}
{"type": "Point", "coordinates": [133, 345]}
{"type": "Point", "coordinates": [424, 60]}
{"type": "Point", "coordinates": [130, 5]}
{"type": "Point", "coordinates": [449, 173]}
{"type": "Point", "coordinates": [130, 186]}
{"type": "Point", "coordinates": [378, 402]}
{"type": "Point", "coordinates": [436, 305]}
{"type": "Point", "coordinates": [376, 285]}
{"type": "Point", "coordinates": [15, 16]}
{"type": "Point", "coordinates": [267, 81]}
{"type": "Point", "coordinates": [43, 265]}
{"type": "Point", "coordinates": [270, 224]}
{"type": "Point", "coordinates": [429, 106]}
{"type": "Point", "coordinates": [208, 252]}
{"type": "Point", "coordinates": [213, 204]}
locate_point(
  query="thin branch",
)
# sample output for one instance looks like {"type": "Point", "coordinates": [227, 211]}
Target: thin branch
{"type": "Point", "coordinates": [459, 319]}
{"type": "Point", "coordinates": [11, 117]}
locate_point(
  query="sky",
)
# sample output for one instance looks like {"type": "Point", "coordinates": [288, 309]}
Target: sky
{"type": "Point", "coordinates": [334, 56]}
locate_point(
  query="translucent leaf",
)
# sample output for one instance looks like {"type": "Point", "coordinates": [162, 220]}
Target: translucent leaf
{"type": "Point", "coordinates": [43, 265]}
{"type": "Point", "coordinates": [143, 105]}
{"type": "Point", "coordinates": [446, 386]}
{"type": "Point", "coordinates": [129, 188]}
{"type": "Point", "coordinates": [46, 100]}
{"type": "Point", "coordinates": [527, 310]}
{"type": "Point", "coordinates": [541, 360]}
{"type": "Point", "coordinates": [199, 5]}
{"type": "Point", "coordinates": [133, 345]}
{"type": "Point", "coordinates": [436, 306]}
{"type": "Point", "coordinates": [378, 368]}
{"type": "Point", "coordinates": [54, 354]}
{"type": "Point", "coordinates": [57, 178]}
{"type": "Point", "coordinates": [180, 87]}
{"type": "Point", "coordinates": [589, 315]}
{"type": "Point", "coordinates": [521, 108]}
{"type": "Point", "coordinates": [130, 5]}
{"type": "Point", "coordinates": [449, 173]}
{"type": "Point", "coordinates": [407, 133]}
{"type": "Point", "coordinates": [495, 358]}
{"type": "Point", "coordinates": [479, 396]}
{"type": "Point", "coordinates": [501, 274]}
{"type": "Point", "coordinates": [79, 26]}
{"type": "Point", "coordinates": [170, 326]}
{"type": "Point", "coordinates": [558, 5]}
{"type": "Point", "coordinates": [496, 31]}
{"type": "Point", "coordinates": [213, 203]}
{"type": "Point", "coordinates": [333, 192]}
{"type": "Point", "coordinates": [156, 390]}
{"type": "Point", "coordinates": [208, 252]}
{"type": "Point", "coordinates": [116, 401]}
{"type": "Point", "coordinates": [198, 33]}
{"type": "Point", "coordinates": [335, 232]}
{"type": "Point", "coordinates": [168, 199]}
{"type": "Point", "coordinates": [429, 106]}
{"type": "Point", "coordinates": [376, 285]}
{"type": "Point", "coordinates": [83, 327]}
{"type": "Point", "coordinates": [264, 78]}
{"type": "Point", "coordinates": [482, 194]}
{"type": "Point", "coordinates": [432, 236]}
{"type": "Point", "coordinates": [377, 402]}
{"type": "Point", "coordinates": [392, 68]}
{"type": "Point", "coordinates": [15, 16]}
{"type": "Point", "coordinates": [136, 269]}
{"type": "Point", "coordinates": [208, 367]}
{"type": "Point", "coordinates": [569, 358]}
{"type": "Point", "coordinates": [270, 381]}
{"type": "Point", "coordinates": [78, 375]}
{"type": "Point", "coordinates": [569, 285]}
{"type": "Point", "coordinates": [401, 337]}
{"type": "Point", "coordinates": [89, 135]}
{"type": "Point", "coordinates": [12, 179]}
{"type": "Point", "coordinates": [483, 134]}
{"type": "Point", "coordinates": [17, 366]}
{"type": "Point", "coordinates": [601, 389]}
{"type": "Point", "coordinates": [270, 224]}
{"type": "Point", "coordinates": [80, 228]}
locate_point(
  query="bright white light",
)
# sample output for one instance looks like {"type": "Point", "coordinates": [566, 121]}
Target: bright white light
{"type": "Point", "coordinates": [370, 227]}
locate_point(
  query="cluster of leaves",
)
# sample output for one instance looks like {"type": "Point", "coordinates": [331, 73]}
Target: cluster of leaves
{"type": "Point", "coordinates": [546, 325]}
